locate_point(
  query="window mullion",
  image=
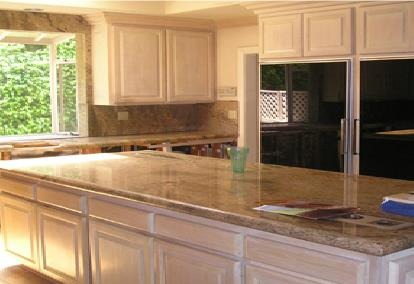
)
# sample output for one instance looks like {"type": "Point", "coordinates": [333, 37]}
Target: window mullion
{"type": "Point", "coordinates": [53, 89]}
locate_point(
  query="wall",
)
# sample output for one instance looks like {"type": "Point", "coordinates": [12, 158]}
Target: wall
{"type": "Point", "coordinates": [102, 120]}
{"type": "Point", "coordinates": [228, 40]}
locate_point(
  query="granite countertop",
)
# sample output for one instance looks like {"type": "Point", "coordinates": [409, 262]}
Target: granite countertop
{"type": "Point", "coordinates": [108, 141]}
{"type": "Point", "coordinates": [207, 187]}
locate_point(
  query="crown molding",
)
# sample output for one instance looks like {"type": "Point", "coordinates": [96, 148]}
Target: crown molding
{"type": "Point", "coordinates": [237, 22]}
{"type": "Point", "coordinates": [137, 19]}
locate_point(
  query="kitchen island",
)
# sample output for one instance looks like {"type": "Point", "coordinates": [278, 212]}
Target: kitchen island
{"type": "Point", "coordinates": [144, 217]}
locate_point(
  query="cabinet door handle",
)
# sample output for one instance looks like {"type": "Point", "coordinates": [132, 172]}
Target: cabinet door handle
{"type": "Point", "coordinates": [356, 143]}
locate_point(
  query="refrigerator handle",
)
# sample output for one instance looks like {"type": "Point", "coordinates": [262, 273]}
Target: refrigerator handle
{"type": "Point", "coordinates": [342, 146]}
{"type": "Point", "coordinates": [355, 146]}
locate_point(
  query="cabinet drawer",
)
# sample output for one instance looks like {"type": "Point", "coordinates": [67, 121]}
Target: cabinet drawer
{"type": "Point", "coordinates": [324, 266]}
{"type": "Point", "coordinates": [120, 214]}
{"type": "Point", "coordinates": [255, 275]}
{"type": "Point", "coordinates": [17, 187]}
{"type": "Point", "coordinates": [61, 198]}
{"type": "Point", "coordinates": [202, 235]}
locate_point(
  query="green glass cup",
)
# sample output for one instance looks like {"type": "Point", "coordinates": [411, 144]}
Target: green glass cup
{"type": "Point", "coordinates": [238, 157]}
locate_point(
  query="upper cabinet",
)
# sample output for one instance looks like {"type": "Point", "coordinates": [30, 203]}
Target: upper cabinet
{"type": "Point", "coordinates": [385, 28]}
{"type": "Point", "coordinates": [335, 29]}
{"type": "Point", "coordinates": [139, 64]}
{"type": "Point", "coordinates": [309, 34]}
{"type": "Point", "coordinates": [327, 33]}
{"type": "Point", "coordinates": [190, 66]}
{"type": "Point", "coordinates": [151, 60]}
{"type": "Point", "coordinates": [281, 36]}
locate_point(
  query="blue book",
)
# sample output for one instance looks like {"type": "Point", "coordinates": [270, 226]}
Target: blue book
{"type": "Point", "coordinates": [401, 204]}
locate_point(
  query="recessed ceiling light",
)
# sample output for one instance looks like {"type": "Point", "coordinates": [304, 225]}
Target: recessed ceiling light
{"type": "Point", "coordinates": [33, 10]}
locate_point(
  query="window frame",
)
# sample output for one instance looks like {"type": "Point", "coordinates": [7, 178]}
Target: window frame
{"type": "Point", "coordinates": [53, 64]}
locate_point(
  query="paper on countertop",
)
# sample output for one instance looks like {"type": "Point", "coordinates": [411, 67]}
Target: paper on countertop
{"type": "Point", "coordinates": [307, 210]}
{"type": "Point", "coordinates": [281, 209]}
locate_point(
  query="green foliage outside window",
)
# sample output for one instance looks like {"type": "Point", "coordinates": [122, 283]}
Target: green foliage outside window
{"type": "Point", "coordinates": [25, 106]}
{"type": "Point", "coordinates": [24, 90]}
{"type": "Point", "coordinates": [66, 87]}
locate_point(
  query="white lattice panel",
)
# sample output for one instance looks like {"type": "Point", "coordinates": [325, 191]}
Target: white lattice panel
{"type": "Point", "coordinates": [300, 106]}
{"type": "Point", "coordinates": [274, 106]}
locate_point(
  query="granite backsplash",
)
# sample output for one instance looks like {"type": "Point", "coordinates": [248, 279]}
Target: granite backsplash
{"type": "Point", "coordinates": [103, 120]}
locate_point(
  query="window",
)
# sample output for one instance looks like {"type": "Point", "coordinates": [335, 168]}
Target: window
{"type": "Point", "coordinates": [38, 87]}
{"type": "Point", "coordinates": [284, 93]}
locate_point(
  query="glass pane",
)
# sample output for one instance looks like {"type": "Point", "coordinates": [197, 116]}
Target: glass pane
{"type": "Point", "coordinates": [272, 77]}
{"type": "Point", "coordinates": [273, 100]}
{"type": "Point", "coordinates": [387, 118]}
{"type": "Point", "coordinates": [66, 50]}
{"type": "Point", "coordinates": [66, 97]}
{"type": "Point", "coordinates": [24, 89]}
{"type": "Point", "coordinates": [315, 98]}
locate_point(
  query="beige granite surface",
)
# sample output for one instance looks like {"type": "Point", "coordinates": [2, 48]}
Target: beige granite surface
{"type": "Point", "coordinates": [152, 119]}
{"type": "Point", "coordinates": [56, 145]}
{"type": "Point", "coordinates": [206, 187]}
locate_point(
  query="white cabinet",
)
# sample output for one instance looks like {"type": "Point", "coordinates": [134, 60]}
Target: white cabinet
{"type": "Point", "coordinates": [385, 28]}
{"type": "Point", "coordinates": [139, 64]}
{"type": "Point", "coordinates": [280, 36]}
{"type": "Point", "coordinates": [62, 245]}
{"type": "Point", "coordinates": [327, 33]}
{"type": "Point", "coordinates": [190, 66]}
{"type": "Point", "coordinates": [18, 228]}
{"type": "Point", "coordinates": [401, 269]}
{"type": "Point", "coordinates": [151, 60]}
{"type": "Point", "coordinates": [119, 255]}
{"type": "Point", "coordinates": [175, 264]}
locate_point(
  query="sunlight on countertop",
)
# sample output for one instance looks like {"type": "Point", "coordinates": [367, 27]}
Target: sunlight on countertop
{"type": "Point", "coordinates": [71, 159]}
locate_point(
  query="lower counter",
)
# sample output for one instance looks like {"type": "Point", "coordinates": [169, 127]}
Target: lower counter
{"type": "Point", "coordinates": [152, 217]}
{"type": "Point", "coordinates": [79, 236]}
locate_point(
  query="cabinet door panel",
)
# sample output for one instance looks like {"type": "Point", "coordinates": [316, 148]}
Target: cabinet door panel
{"type": "Point", "coordinates": [401, 270]}
{"type": "Point", "coordinates": [119, 255]}
{"type": "Point", "coordinates": [281, 36]}
{"type": "Point", "coordinates": [18, 226]}
{"type": "Point", "coordinates": [139, 64]}
{"type": "Point", "coordinates": [385, 28]}
{"type": "Point", "coordinates": [62, 245]}
{"type": "Point", "coordinates": [190, 66]}
{"type": "Point", "coordinates": [256, 275]}
{"type": "Point", "coordinates": [180, 265]}
{"type": "Point", "coordinates": [327, 33]}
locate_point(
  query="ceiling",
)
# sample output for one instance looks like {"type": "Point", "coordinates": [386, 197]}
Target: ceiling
{"type": "Point", "coordinates": [213, 10]}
